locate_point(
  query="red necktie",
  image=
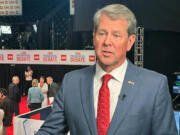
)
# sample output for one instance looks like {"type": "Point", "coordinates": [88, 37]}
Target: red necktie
{"type": "Point", "coordinates": [103, 112]}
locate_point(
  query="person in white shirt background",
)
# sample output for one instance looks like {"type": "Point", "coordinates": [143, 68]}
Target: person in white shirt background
{"type": "Point", "coordinates": [44, 88]}
{"type": "Point", "coordinates": [28, 80]}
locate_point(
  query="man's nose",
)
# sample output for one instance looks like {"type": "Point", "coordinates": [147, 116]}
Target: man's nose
{"type": "Point", "coordinates": [108, 40]}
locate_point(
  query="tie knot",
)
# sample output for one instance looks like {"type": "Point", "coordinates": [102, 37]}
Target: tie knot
{"type": "Point", "coordinates": [106, 78]}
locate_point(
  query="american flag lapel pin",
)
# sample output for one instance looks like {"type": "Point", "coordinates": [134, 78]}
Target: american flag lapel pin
{"type": "Point", "coordinates": [131, 82]}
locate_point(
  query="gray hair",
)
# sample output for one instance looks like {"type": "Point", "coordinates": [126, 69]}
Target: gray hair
{"type": "Point", "coordinates": [117, 11]}
{"type": "Point", "coordinates": [49, 77]}
{"type": "Point", "coordinates": [15, 77]}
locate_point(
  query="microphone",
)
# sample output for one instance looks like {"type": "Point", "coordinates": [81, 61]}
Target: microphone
{"type": "Point", "coordinates": [123, 96]}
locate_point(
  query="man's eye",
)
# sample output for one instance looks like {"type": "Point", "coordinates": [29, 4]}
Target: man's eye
{"type": "Point", "coordinates": [116, 35]}
{"type": "Point", "coordinates": [101, 34]}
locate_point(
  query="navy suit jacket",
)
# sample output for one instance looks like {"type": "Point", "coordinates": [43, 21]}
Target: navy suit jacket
{"type": "Point", "coordinates": [14, 93]}
{"type": "Point", "coordinates": [144, 105]}
{"type": "Point", "coordinates": [53, 89]}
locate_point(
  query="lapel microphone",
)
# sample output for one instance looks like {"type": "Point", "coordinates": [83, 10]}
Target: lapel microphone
{"type": "Point", "coordinates": [123, 96]}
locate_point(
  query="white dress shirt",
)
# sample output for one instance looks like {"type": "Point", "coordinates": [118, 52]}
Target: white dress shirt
{"type": "Point", "coordinates": [115, 85]}
{"type": "Point", "coordinates": [45, 101]}
{"type": "Point", "coordinates": [28, 75]}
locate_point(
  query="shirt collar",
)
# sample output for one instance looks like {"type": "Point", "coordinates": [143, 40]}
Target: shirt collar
{"type": "Point", "coordinates": [118, 73]}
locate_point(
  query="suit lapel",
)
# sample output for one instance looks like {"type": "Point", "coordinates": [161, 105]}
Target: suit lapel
{"type": "Point", "coordinates": [125, 100]}
{"type": "Point", "coordinates": [87, 99]}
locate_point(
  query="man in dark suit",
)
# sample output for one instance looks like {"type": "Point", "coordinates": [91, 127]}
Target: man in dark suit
{"type": "Point", "coordinates": [52, 89]}
{"type": "Point", "coordinates": [113, 97]}
{"type": "Point", "coordinates": [14, 95]}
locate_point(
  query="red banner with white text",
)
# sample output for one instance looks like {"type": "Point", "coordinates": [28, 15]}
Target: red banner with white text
{"type": "Point", "coordinates": [56, 57]}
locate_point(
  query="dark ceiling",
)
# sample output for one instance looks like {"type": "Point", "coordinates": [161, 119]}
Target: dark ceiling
{"type": "Point", "coordinates": [33, 10]}
{"type": "Point", "coordinates": [151, 14]}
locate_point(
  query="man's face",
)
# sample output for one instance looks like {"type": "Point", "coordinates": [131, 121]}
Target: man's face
{"type": "Point", "coordinates": [111, 42]}
{"type": "Point", "coordinates": [16, 80]}
{"type": "Point", "coordinates": [48, 81]}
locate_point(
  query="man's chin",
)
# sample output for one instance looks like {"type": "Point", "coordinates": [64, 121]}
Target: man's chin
{"type": "Point", "coordinates": [105, 63]}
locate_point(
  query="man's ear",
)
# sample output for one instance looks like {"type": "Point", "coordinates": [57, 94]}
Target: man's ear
{"type": "Point", "coordinates": [131, 41]}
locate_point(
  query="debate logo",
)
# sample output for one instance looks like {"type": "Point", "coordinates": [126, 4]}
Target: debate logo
{"type": "Point", "coordinates": [77, 57]}
{"type": "Point", "coordinates": [23, 56]}
{"type": "Point", "coordinates": [50, 57]}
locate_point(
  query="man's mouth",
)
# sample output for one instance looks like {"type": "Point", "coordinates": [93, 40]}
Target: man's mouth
{"type": "Point", "coordinates": [106, 53]}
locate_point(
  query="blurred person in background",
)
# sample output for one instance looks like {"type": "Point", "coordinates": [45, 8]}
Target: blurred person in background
{"type": "Point", "coordinates": [44, 88]}
{"type": "Point", "coordinates": [28, 80]}
{"type": "Point", "coordinates": [14, 95]}
{"type": "Point", "coordinates": [35, 96]}
{"type": "Point", "coordinates": [52, 89]}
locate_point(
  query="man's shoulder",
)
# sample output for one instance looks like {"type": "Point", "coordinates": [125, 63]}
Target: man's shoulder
{"type": "Point", "coordinates": [82, 71]}
{"type": "Point", "coordinates": [147, 73]}
{"type": "Point", "coordinates": [75, 75]}
{"type": "Point", "coordinates": [11, 85]}
{"type": "Point", "coordinates": [54, 84]}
